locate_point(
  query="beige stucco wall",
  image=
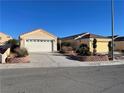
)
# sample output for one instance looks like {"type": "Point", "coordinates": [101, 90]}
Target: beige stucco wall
{"type": "Point", "coordinates": [119, 45]}
{"type": "Point", "coordinates": [38, 34]}
{"type": "Point", "coordinates": [4, 38]}
{"type": "Point", "coordinates": [102, 45]}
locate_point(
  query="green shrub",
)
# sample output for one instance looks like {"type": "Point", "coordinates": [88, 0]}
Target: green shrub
{"type": "Point", "coordinates": [12, 42]}
{"type": "Point", "coordinates": [14, 48]}
{"type": "Point", "coordinates": [94, 46]}
{"type": "Point", "coordinates": [110, 46]}
{"type": "Point", "coordinates": [83, 50]}
{"type": "Point", "coordinates": [22, 52]}
{"type": "Point", "coordinates": [94, 43]}
{"type": "Point", "coordinates": [122, 51]}
{"type": "Point", "coordinates": [58, 46]}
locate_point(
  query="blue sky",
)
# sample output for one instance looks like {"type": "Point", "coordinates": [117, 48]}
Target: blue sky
{"type": "Point", "coordinates": [60, 17]}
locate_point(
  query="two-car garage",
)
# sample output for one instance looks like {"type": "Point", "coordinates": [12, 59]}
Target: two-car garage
{"type": "Point", "coordinates": [39, 41]}
{"type": "Point", "coordinates": [39, 45]}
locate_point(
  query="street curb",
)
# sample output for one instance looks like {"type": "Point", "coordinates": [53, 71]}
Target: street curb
{"type": "Point", "coordinates": [64, 64]}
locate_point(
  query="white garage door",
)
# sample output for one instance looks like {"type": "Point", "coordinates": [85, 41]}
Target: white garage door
{"type": "Point", "coordinates": [38, 45]}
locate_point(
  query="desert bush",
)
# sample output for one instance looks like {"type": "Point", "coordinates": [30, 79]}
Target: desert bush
{"type": "Point", "coordinates": [22, 52]}
{"type": "Point", "coordinates": [83, 50]}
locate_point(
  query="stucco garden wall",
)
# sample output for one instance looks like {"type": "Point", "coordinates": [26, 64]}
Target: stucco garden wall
{"type": "Point", "coordinates": [4, 55]}
{"type": "Point", "coordinates": [119, 45]}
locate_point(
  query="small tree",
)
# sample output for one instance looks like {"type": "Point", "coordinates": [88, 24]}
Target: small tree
{"type": "Point", "coordinates": [21, 52]}
{"type": "Point", "coordinates": [110, 47]}
{"type": "Point", "coordinates": [94, 46]}
{"type": "Point", "coordinates": [13, 43]}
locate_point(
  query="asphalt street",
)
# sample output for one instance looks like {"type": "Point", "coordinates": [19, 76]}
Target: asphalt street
{"type": "Point", "coordinates": [106, 79]}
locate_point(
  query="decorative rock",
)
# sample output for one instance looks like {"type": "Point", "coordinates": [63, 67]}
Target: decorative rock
{"type": "Point", "coordinates": [18, 60]}
{"type": "Point", "coordinates": [93, 58]}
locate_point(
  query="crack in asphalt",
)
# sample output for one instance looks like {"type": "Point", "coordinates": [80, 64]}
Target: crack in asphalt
{"type": "Point", "coordinates": [113, 86]}
{"type": "Point", "coordinates": [80, 82]}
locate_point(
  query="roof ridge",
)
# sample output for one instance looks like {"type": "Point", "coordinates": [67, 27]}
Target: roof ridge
{"type": "Point", "coordinates": [39, 29]}
{"type": "Point", "coordinates": [6, 34]}
{"type": "Point", "coordinates": [75, 34]}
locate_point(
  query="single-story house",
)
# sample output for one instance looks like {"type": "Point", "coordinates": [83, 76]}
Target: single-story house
{"type": "Point", "coordinates": [38, 41]}
{"type": "Point", "coordinates": [119, 43]}
{"type": "Point", "coordinates": [87, 38]}
{"type": "Point", "coordinates": [4, 38]}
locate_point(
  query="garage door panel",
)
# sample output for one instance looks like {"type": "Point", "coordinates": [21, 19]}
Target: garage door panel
{"type": "Point", "coordinates": [39, 45]}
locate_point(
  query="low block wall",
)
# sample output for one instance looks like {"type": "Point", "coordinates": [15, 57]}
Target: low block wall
{"type": "Point", "coordinates": [19, 60]}
{"type": "Point", "coordinates": [4, 56]}
{"type": "Point", "coordinates": [93, 58]}
{"type": "Point", "coordinates": [0, 58]}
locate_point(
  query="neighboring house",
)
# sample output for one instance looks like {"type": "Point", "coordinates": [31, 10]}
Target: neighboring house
{"type": "Point", "coordinates": [87, 38]}
{"type": "Point", "coordinates": [4, 38]}
{"type": "Point", "coordinates": [119, 43]}
{"type": "Point", "coordinates": [38, 41]}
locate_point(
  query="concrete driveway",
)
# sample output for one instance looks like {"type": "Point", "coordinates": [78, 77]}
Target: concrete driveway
{"type": "Point", "coordinates": [59, 60]}
{"type": "Point", "coordinates": [54, 60]}
{"type": "Point", "coordinates": [51, 59]}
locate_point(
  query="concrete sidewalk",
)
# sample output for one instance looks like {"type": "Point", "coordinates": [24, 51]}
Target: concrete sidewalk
{"type": "Point", "coordinates": [55, 60]}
